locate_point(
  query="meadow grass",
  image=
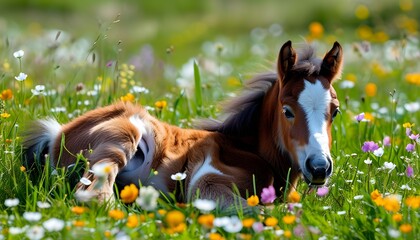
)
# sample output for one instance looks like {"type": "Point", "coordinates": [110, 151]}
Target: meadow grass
{"type": "Point", "coordinates": [372, 194]}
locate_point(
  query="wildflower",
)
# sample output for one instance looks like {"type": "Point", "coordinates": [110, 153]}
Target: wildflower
{"type": "Point", "coordinates": [391, 203]}
{"type": "Point", "coordinates": [268, 195]}
{"type": "Point", "coordinates": [397, 217]}
{"type": "Point", "coordinates": [204, 205]}
{"type": "Point", "coordinates": [289, 219]}
{"type": "Point", "coordinates": [287, 234]}
{"type": "Point", "coordinates": [405, 187]}
{"type": "Point", "coordinates": [253, 201]}
{"type": "Point", "coordinates": [35, 232]}
{"type": "Point", "coordinates": [413, 202]}
{"type": "Point", "coordinates": [234, 225]}
{"type": "Point", "coordinates": [53, 225]}
{"type": "Point", "coordinates": [387, 141]}
{"type": "Point", "coordinates": [129, 97]}
{"type": "Point", "coordinates": [408, 125]}
{"type": "Point", "coordinates": [174, 218]}
{"type": "Point", "coordinates": [129, 194]}
{"type": "Point", "coordinates": [394, 233]}
{"type": "Point", "coordinates": [178, 176]}
{"type": "Point", "coordinates": [322, 191]}
{"type": "Point", "coordinates": [215, 236]}
{"type": "Point", "coordinates": [32, 216]}
{"type": "Point", "coordinates": [101, 169]}
{"type": "Point", "coordinates": [406, 228]}
{"type": "Point", "coordinates": [294, 197]}
{"type": "Point", "coordinates": [132, 221]}
{"type": "Point", "coordinates": [378, 152]}
{"type": "Point", "coordinates": [11, 202]}
{"type": "Point", "coordinates": [360, 117]}
{"type": "Point", "coordinates": [16, 230]}
{"type": "Point", "coordinates": [271, 221]}
{"type": "Point", "coordinates": [6, 95]}
{"type": "Point", "coordinates": [160, 104]}
{"type": "Point", "coordinates": [341, 212]}
{"type": "Point", "coordinates": [410, 147]}
{"type": "Point", "coordinates": [116, 214]}
{"type": "Point", "coordinates": [257, 227]}
{"type": "Point", "coordinates": [39, 90]}
{"type": "Point", "coordinates": [389, 165]}
{"type": "Point", "coordinates": [109, 63]}
{"type": "Point", "coordinates": [21, 77]}
{"type": "Point", "coordinates": [22, 168]}
{"type": "Point", "coordinates": [368, 161]}
{"type": "Point", "coordinates": [414, 136]}
{"type": "Point", "coordinates": [412, 107]}
{"type": "Point", "coordinates": [361, 12]}
{"type": "Point", "coordinates": [18, 54]}
{"type": "Point", "coordinates": [78, 223]}
{"type": "Point", "coordinates": [299, 231]}
{"type": "Point", "coordinates": [148, 198]}
{"type": "Point", "coordinates": [84, 195]}
{"type": "Point", "coordinates": [346, 84]}
{"type": "Point", "coordinates": [85, 181]}
{"type": "Point", "coordinates": [369, 146]}
{"type": "Point", "coordinates": [43, 205]}
{"type": "Point", "coordinates": [413, 78]}
{"type": "Point", "coordinates": [248, 222]}
{"type": "Point", "coordinates": [316, 30]}
{"type": "Point", "coordinates": [409, 171]}
{"type": "Point", "coordinates": [78, 210]}
{"type": "Point", "coordinates": [370, 90]}
{"type": "Point", "coordinates": [4, 115]}
{"type": "Point", "coordinates": [358, 197]}
{"type": "Point", "coordinates": [206, 220]}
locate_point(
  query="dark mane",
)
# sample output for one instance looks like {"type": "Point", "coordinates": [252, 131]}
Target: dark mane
{"type": "Point", "coordinates": [240, 112]}
{"type": "Point", "coordinates": [307, 62]}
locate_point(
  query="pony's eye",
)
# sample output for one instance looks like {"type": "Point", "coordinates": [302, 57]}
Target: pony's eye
{"type": "Point", "coordinates": [288, 113]}
{"type": "Point", "coordinates": [336, 111]}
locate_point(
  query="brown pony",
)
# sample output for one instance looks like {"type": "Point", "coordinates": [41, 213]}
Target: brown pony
{"type": "Point", "coordinates": [278, 129]}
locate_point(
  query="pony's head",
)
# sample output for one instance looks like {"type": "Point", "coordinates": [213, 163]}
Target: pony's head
{"type": "Point", "coordinates": [308, 106]}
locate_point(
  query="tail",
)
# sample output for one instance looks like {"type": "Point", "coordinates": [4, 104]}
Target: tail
{"type": "Point", "coordinates": [38, 140]}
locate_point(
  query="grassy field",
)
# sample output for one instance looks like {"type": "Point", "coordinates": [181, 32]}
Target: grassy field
{"type": "Point", "coordinates": [144, 53]}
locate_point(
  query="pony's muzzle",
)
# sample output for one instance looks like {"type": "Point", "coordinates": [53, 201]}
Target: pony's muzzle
{"type": "Point", "coordinates": [320, 168]}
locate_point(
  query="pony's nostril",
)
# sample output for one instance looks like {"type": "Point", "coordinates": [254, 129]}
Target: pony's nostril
{"type": "Point", "coordinates": [320, 169]}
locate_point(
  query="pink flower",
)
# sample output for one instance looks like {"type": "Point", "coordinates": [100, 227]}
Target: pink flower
{"type": "Point", "coordinates": [360, 117]}
{"type": "Point", "coordinates": [410, 147]}
{"type": "Point", "coordinates": [258, 227]}
{"type": "Point", "coordinates": [268, 195]}
{"type": "Point", "coordinates": [109, 63]}
{"type": "Point", "coordinates": [369, 146]}
{"type": "Point", "coordinates": [414, 137]}
{"type": "Point", "coordinates": [409, 171]}
{"type": "Point", "coordinates": [408, 131]}
{"type": "Point", "coordinates": [322, 191]}
{"type": "Point", "coordinates": [387, 141]}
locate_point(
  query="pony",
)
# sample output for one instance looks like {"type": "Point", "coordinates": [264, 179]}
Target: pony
{"type": "Point", "coordinates": [277, 130]}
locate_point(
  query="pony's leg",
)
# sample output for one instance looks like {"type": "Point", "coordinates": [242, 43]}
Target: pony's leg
{"type": "Point", "coordinates": [113, 158]}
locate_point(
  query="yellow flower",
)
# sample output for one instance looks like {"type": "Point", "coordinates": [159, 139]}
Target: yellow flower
{"type": "Point", "coordinates": [174, 218]}
{"type": "Point", "coordinates": [294, 197]}
{"type": "Point", "coordinates": [161, 212]}
{"type": "Point", "coordinates": [351, 77]}
{"type": "Point", "coordinates": [406, 5]}
{"type": "Point", "coordinates": [129, 193]}
{"type": "Point", "coordinates": [361, 12]}
{"type": "Point", "coordinates": [406, 228]}
{"type": "Point", "coordinates": [370, 89]}
{"type": "Point", "coordinates": [413, 202]}
{"type": "Point", "coordinates": [233, 82]}
{"type": "Point", "coordinates": [253, 201]}
{"type": "Point", "coordinates": [289, 219]}
{"type": "Point", "coordinates": [132, 221]}
{"type": "Point", "coordinates": [408, 125]}
{"type": "Point", "coordinates": [215, 236]}
{"type": "Point", "coordinates": [375, 194]}
{"type": "Point", "coordinates": [6, 94]}
{"type": "Point", "coordinates": [287, 234]}
{"type": "Point", "coordinates": [364, 32]}
{"type": "Point", "coordinates": [107, 234]}
{"type": "Point", "coordinates": [397, 217]}
{"type": "Point", "coordinates": [128, 98]}
{"type": "Point", "coordinates": [4, 115]}
{"type": "Point", "coordinates": [22, 168]}
{"type": "Point", "coordinates": [247, 222]}
{"type": "Point", "coordinates": [369, 116]}
{"type": "Point", "coordinates": [160, 104]}
{"type": "Point", "coordinates": [391, 203]}
{"type": "Point", "coordinates": [206, 220]}
{"type": "Point", "coordinates": [78, 223]}
{"type": "Point", "coordinates": [116, 214]}
{"type": "Point", "coordinates": [78, 210]}
{"type": "Point", "coordinates": [271, 221]}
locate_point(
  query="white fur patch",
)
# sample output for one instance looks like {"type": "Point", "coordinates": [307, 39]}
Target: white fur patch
{"type": "Point", "coordinates": [202, 170]}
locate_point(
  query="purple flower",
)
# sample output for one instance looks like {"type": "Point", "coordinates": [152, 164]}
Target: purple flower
{"type": "Point", "coordinates": [299, 231]}
{"type": "Point", "coordinates": [409, 171]}
{"type": "Point", "coordinates": [360, 117]}
{"type": "Point", "coordinates": [414, 137]}
{"type": "Point", "coordinates": [109, 63]}
{"type": "Point", "coordinates": [387, 141]}
{"type": "Point", "coordinates": [369, 146]}
{"type": "Point", "coordinates": [410, 147]}
{"type": "Point", "coordinates": [258, 227]}
{"type": "Point", "coordinates": [322, 191]}
{"type": "Point", "coordinates": [408, 131]}
{"type": "Point", "coordinates": [268, 195]}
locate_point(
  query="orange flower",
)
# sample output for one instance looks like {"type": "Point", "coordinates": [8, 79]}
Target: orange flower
{"type": "Point", "coordinates": [174, 218]}
{"type": "Point", "coordinates": [78, 210]}
{"type": "Point", "coordinates": [253, 201]}
{"type": "Point", "coordinates": [316, 30]}
{"type": "Point", "coordinates": [6, 95]}
{"type": "Point", "coordinates": [391, 203]}
{"type": "Point", "coordinates": [370, 90]}
{"type": "Point", "coordinates": [247, 222]}
{"type": "Point", "coordinates": [161, 104]}
{"type": "Point", "coordinates": [406, 228]}
{"type": "Point", "coordinates": [287, 234]}
{"type": "Point", "coordinates": [289, 219]}
{"type": "Point", "coordinates": [397, 217]}
{"type": "Point", "coordinates": [206, 220]}
{"type": "Point", "coordinates": [413, 202]}
{"type": "Point", "coordinates": [294, 197]}
{"type": "Point", "coordinates": [132, 221]}
{"type": "Point", "coordinates": [271, 221]}
{"type": "Point", "coordinates": [413, 78]}
{"type": "Point", "coordinates": [22, 168]}
{"type": "Point", "coordinates": [78, 223]}
{"type": "Point", "coordinates": [116, 214]}
{"type": "Point", "coordinates": [129, 193]}
{"type": "Point", "coordinates": [375, 194]}
{"type": "Point", "coordinates": [128, 98]}
{"type": "Point", "coordinates": [215, 236]}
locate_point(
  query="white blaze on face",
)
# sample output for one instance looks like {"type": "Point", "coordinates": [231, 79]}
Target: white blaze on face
{"type": "Point", "coordinates": [315, 102]}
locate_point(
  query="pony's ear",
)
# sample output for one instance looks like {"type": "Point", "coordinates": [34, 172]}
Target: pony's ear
{"type": "Point", "coordinates": [286, 59]}
{"type": "Point", "coordinates": [332, 63]}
